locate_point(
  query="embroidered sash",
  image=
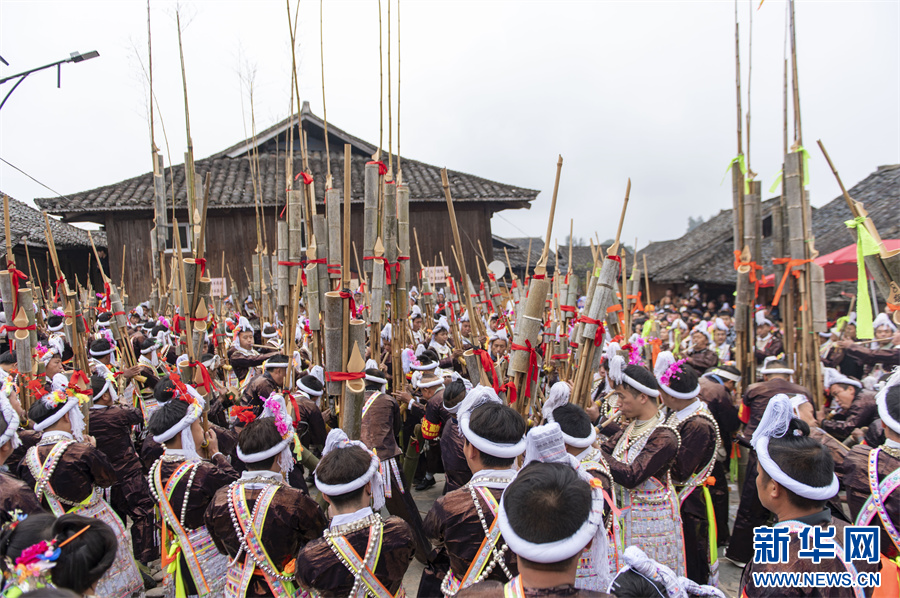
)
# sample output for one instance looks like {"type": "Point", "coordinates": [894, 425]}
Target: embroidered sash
{"type": "Point", "coordinates": [181, 543]}
{"type": "Point", "coordinates": [251, 524]}
{"type": "Point", "coordinates": [42, 471]}
{"type": "Point", "coordinates": [875, 503]}
{"type": "Point", "coordinates": [795, 527]}
{"type": "Point", "coordinates": [514, 589]}
{"type": "Point", "coordinates": [369, 402]}
{"type": "Point", "coordinates": [363, 571]}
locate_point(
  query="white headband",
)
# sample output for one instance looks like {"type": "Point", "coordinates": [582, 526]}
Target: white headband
{"type": "Point", "coordinates": [774, 423]}
{"type": "Point", "coordinates": [195, 410]}
{"type": "Point", "coordinates": [477, 397]}
{"type": "Point", "coordinates": [881, 401]}
{"type": "Point", "coordinates": [676, 586]}
{"type": "Point", "coordinates": [664, 361]}
{"type": "Point", "coordinates": [274, 406]}
{"type": "Point", "coordinates": [546, 444]}
{"type": "Point", "coordinates": [375, 379]}
{"type": "Point", "coordinates": [765, 369]}
{"type": "Point", "coordinates": [9, 414]}
{"type": "Point", "coordinates": [559, 396]}
{"type": "Point", "coordinates": [271, 365]}
{"type": "Point", "coordinates": [308, 390]}
{"type": "Point", "coordinates": [70, 406]}
{"type": "Point", "coordinates": [832, 376]}
{"type": "Point", "coordinates": [57, 328]}
{"type": "Point", "coordinates": [102, 353]}
{"type": "Point", "coordinates": [723, 374]}
{"type": "Point", "coordinates": [265, 334]}
{"type": "Point", "coordinates": [617, 371]}
{"type": "Point", "coordinates": [438, 382]}
{"type": "Point", "coordinates": [337, 439]}
{"type": "Point", "coordinates": [107, 387]}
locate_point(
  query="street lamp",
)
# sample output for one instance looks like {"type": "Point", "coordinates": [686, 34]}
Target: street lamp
{"type": "Point", "coordinates": [74, 57]}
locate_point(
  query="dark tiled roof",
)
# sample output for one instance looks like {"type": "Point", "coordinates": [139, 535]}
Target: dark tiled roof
{"type": "Point", "coordinates": [879, 192]}
{"type": "Point", "coordinates": [705, 254]}
{"type": "Point", "coordinates": [231, 184]}
{"type": "Point", "coordinates": [518, 257]}
{"type": "Point", "coordinates": [25, 221]}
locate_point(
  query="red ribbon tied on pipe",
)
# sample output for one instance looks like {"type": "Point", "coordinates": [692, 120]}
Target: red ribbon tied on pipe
{"type": "Point", "coordinates": [343, 376]}
{"type": "Point", "coordinates": [204, 374]}
{"type": "Point", "coordinates": [15, 276]}
{"type": "Point", "coordinates": [601, 329]}
{"type": "Point", "coordinates": [753, 268]}
{"type": "Point", "coordinates": [79, 376]}
{"type": "Point", "coordinates": [349, 295]}
{"type": "Point", "coordinates": [532, 364]}
{"type": "Point", "coordinates": [487, 364]}
{"type": "Point", "coordinates": [382, 168]}
{"type": "Point", "coordinates": [788, 266]}
{"type": "Point", "coordinates": [307, 178]}
{"type": "Point", "coordinates": [510, 389]}
{"type": "Point", "coordinates": [201, 261]}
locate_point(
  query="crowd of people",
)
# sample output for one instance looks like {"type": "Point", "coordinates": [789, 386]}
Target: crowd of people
{"type": "Point", "coordinates": [232, 476]}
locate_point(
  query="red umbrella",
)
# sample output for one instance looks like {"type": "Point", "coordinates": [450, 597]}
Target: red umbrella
{"type": "Point", "coordinates": [839, 265]}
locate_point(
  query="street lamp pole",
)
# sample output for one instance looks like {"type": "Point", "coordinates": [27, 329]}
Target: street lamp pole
{"type": "Point", "coordinates": [74, 57]}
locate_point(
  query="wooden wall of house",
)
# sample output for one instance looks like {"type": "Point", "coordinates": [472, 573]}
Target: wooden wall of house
{"type": "Point", "coordinates": [232, 234]}
{"type": "Point", "coordinates": [72, 261]}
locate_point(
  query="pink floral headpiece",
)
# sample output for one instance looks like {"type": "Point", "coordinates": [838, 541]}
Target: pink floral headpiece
{"type": "Point", "coordinates": [282, 423]}
{"type": "Point", "coordinates": [635, 356]}
{"type": "Point", "coordinates": [671, 371]}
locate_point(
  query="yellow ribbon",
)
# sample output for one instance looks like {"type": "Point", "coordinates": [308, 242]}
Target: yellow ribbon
{"type": "Point", "coordinates": [711, 526]}
{"type": "Point", "coordinates": [805, 155]}
{"type": "Point", "coordinates": [743, 166]}
{"type": "Point", "coordinates": [777, 181]}
{"type": "Point", "coordinates": [865, 245]}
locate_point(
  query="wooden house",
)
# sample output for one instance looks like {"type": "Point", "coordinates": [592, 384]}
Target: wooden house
{"type": "Point", "coordinates": [125, 209]}
{"type": "Point", "coordinates": [705, 255]}
{"type": "Point", "coordinates": [73, 247]}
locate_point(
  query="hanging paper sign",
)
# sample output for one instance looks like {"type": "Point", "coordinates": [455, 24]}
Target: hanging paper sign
{"type": "Point", "coordinates": [218, 288]}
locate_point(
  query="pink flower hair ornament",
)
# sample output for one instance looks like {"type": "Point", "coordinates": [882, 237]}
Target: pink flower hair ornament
{"type": "Point", "coordinates": [671, 371]}
{"type": "Point", "coordinates": [634, 355]}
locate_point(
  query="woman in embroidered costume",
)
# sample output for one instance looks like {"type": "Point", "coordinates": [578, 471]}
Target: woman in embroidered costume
{"type": "Point", "coordinates": [679, 390]}
{"type": "Point", "coordinates": [67, 471]}
{"type": "Point", "coordinates": [14, 493]}
{"type": "Point", "coordinates": [872, 479]}
{"type": "Point", "coordinates": [259, 521]}
{"type": "Point", "coordinates": [183, 485]}
{"type": "Point", "coordinates": [360, 554]}
{"type": "Point", "coordinates": [581, 442]}
{"type": "Point", "coordinates": [796, 478]}
{"type": "Point", "coordinates": [464, 522]}
{"type": "Point", "coordinates": [639, 459]}
{"type": "Point", "coordinates": [547, 515]}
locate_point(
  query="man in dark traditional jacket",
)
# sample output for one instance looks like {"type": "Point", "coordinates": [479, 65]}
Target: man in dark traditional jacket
{"type": "Point", "coordinates": [348, 478]}
{"type": "Point", "coordinates": [261, 517]}
{"type": "Point", "coordinates": [494, 437]}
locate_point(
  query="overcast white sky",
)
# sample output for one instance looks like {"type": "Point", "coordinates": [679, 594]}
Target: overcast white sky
{"type": "Point", "coordinates": [493, 88]}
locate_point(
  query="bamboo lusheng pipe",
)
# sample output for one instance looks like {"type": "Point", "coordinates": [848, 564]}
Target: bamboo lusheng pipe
{"type": "Point", "coordinates": [403, 249]}
{"type": "Point", "coordinates": [604, 295]}
{"type": "Point", "coordinates": [376, 309]}
{"type": "Point", "coordinates": [321, 237]}
{"type": "Point", "coordinates": [370, 215]}
{"type": "Point", "coordinates": [283, 290]}
{"type": "Point", "coordinates": [333, 320]}
{"type": "Point", "coordinates": [354, 390]}
{"type": "Point", "coordinates": [445, 182]}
